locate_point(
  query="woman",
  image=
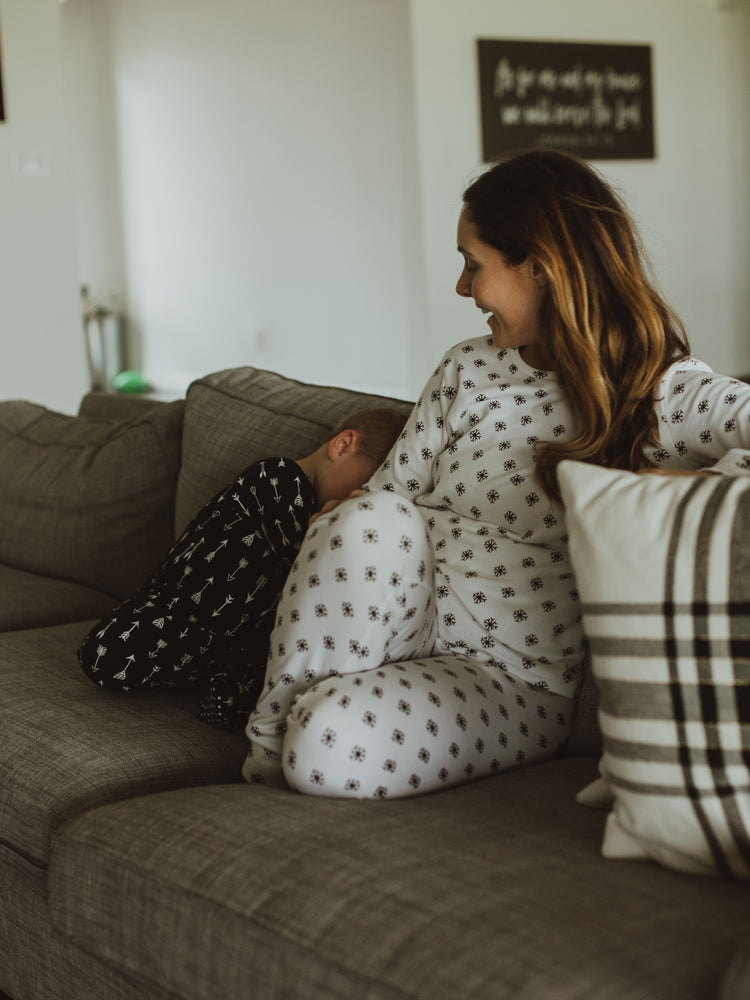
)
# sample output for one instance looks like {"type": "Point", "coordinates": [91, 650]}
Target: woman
{"type": "Point", "coordinates": [429, 632]}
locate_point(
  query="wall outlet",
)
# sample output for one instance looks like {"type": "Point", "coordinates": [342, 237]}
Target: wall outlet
{"type": "Point", "coordinates": [30, 165]}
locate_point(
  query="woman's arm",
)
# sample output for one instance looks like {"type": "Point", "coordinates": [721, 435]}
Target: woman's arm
{"type": "Point", "coordinates": [702, 416]}
{"type": "Point", "coordinates": [411, 466]}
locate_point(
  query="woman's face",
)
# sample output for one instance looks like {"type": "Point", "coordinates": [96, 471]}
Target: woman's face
{"type": "Point", "coordinates": [512, 297]}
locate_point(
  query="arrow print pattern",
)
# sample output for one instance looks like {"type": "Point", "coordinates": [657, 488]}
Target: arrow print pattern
{"type": "Point", "coordinates": [204, 617]}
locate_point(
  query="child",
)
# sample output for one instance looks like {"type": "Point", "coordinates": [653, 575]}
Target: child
{"type": "Point", "coordinates": [206, 614]}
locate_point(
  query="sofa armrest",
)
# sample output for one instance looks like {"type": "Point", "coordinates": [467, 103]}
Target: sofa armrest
{"type": "Point", "coordinates": [98, 405]}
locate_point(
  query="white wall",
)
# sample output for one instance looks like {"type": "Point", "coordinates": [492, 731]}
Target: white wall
{"type": "Point", "coordinates": [93, 151]}
{"type": "Point", "coordinates": [278, 184]}
{"type": "Point", "coordinates": [691, 202]}
{"type": "Point", "coordinates": [40, 328]}
{"type": "Point", "coordinates": [267, 181]}
{"type": "Point", "coordinates": [739, 74]}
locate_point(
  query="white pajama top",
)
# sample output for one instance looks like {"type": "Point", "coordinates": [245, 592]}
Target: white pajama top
{"type": "Point", "coordinates": [466, 458]}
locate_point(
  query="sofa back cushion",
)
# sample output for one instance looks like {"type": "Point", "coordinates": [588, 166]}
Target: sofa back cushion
{"type": "Point", "coordinates": [242, 415]}
{"type": "Point", "coordinates": [585, 738]}
{"type": "Point", "coordinates": [86, 500]}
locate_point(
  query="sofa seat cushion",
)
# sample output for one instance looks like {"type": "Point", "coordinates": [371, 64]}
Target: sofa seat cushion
{"type": "Point", "coordinates": [30, 600]}
{"type": "Point", "coordinates": [242, 415]}
{"type": "Point", "coordinates": [65, 745]}
{"type": "Point", "coordinates": [736, 983]}
{"type": "Point", "coordinates": [40, 964]}
{"type": "Point", "coordinates": [493, 890]}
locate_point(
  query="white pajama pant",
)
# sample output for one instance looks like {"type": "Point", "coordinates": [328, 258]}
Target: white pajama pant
{"type": "Point", "coordinates": [362, 697]}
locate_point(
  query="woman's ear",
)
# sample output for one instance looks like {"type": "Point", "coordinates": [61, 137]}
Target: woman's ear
{"type": "Point", "coordinates": [538, 273]}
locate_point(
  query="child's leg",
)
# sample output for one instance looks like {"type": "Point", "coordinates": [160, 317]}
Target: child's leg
{"type": "Point", "coordinates": [159, 635]}
{"type": "Point", "coordinates": [414, 727]}
{"type": "Point", "coordinates": [233, 692]}
{"type": "Point", "coordinates": [208, 607]}
{"type": "Point", "coordinates": [142, 644]}
{"type": "Point", "coordinates": [360, 594]}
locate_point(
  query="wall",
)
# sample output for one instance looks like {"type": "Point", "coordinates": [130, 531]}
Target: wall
{"type": "Point", "coordinates": [40, 328]}
{"type": "Point", "coordinates": [691, 202]}
{"type": "Point", "coordinates": [278, 185]}
{"type": "Point", "coordinates": [739, 73]}
{"type": "Point", "coordinates": [93, 149]}
{"type": "Point", "coordinates": [266, 174]}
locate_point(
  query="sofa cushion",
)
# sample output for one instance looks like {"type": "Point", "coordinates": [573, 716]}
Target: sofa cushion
{"type": "Point", "coordinates": [40, 964]}
{"type": "Point", "coordinates": [242, 415]}
{"type": "Point", "coordinates": [736, 982]}
{"type": "Point", "coordinates": [585, 736]}
{"type": "Point", "coordinates": [663, 567]}
{"type": "Point", "coordinates": [89, 501]}
{"type": "Point", "coordinates": [30, 600]}
{"type": "Point", "coordinates": [466, 893]}
{"type": "Point", "coordinates": [66, 745]}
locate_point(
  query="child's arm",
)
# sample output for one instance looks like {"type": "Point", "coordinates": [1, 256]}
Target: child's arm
{"type": "Point", "coordinates": [333, 504]}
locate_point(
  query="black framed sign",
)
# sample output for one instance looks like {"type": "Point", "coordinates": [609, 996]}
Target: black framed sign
{"type": "Point", "coordinates": [588, 98]}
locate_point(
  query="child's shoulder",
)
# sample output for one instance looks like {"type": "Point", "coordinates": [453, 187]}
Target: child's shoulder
{"type": "Point", "coordinates": [276, 466]}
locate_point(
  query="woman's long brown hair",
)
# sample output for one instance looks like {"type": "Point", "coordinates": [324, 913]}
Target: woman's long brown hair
{"type": "Point", "coordinates": [611, 334]}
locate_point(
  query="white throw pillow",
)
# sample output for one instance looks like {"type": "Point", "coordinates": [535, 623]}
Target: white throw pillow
{"type": "Point", "coordinates": [663, 569]}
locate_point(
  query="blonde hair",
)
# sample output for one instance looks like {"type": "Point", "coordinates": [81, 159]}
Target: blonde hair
{"type": "Point", "coordinates": [610, 332]}
{"type": "Point", "coordinates": [378, 429]}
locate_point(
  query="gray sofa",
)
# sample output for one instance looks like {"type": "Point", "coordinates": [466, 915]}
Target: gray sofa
{"type": "Point", "coordinates": [136, 865]}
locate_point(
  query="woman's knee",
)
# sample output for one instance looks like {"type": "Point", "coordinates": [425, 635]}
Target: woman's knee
{"type": "Point", "coordinates": [366, 521]}
{"type": "Point", "coordinates": [389, 732]}
{"type": "Point", "coordinates": [312, 745]}
{"type": "Point", "coordinates": [419, 726]}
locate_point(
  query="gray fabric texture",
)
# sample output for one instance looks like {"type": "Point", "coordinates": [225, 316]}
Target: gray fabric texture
{"type": "Point", "coordinates": [736, 982]}
{"type": "Point", "coordinates": [116, 405]}
{"type": "Point", "coordinates": [242, 415]}
{"type": "Point", "coordinates": [29, 600]}
{"type": "Point", "coordinates": [89, 501]}
{"type": "Point", "coordinates": [493, 891]}
{"type": "Point", "coordinates": [38, 964]}
{"type": "Point", "coordinates": [66, 746]}
{"type": "Point", "coordinates": [585, 738]}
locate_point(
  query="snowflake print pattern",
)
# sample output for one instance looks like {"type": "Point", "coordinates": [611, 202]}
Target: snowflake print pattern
{"type": "Point", "coordinates": [701, 417]}
{"type": "Point", "coordinates": [434, 746]}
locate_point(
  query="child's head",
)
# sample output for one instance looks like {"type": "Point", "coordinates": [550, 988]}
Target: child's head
{"type": "Point", "coordinates": [358, 445]}
{"type": "Point", "coordinates": [377, 429]}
